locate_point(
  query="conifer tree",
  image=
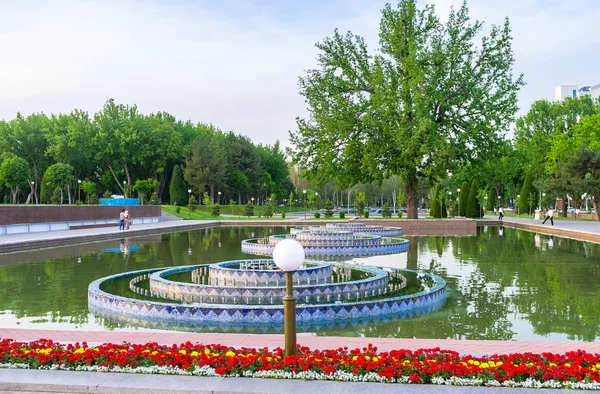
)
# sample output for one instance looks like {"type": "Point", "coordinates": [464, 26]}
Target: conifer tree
{"type": "Point", "coordinates": [177, 189]}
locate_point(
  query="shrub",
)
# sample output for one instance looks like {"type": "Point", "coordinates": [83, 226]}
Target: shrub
{"type": "Point", "coordinates": [107, 194]}
{"type": "Point", "coordinates": [193, 203]}
{"type": "Point", "coordinates": [317, 215]}
{"type": "Point", "coordinates": [366, 214]}
{"type": "Point", "coordinates": [342, 214]}
{"type": "Point", "coordinates": [78, 202]}
{"type": "Point", "coordinates": [93, 200]}
{"type": "Point", "coordinates": [464, 198]}
{"type": "Point", "coordinates": [177, 190]}
{"type": "Point", "coordinates": [177, 209]}
{"type": "Point", "coordinates": [473, 207]}
{"type": "Point", "coordinates": [328, 208]}
{"type": "Point", "coordinates": [525, 205]}
{"type": "Point", "coordinates": [153, 199]}
{"type": "Point", "coordinates": [55, 199]}
{"type": "Point", "coordinates": [361, 201]}
{"type": "Point", "coordinates": [283, 215]}
{"type": "Point", "coordinates": [385, 212]}
{"type": "Point", "coordinates": [216, 210]}
{"type": "Point", "coordinates": [399, 214]}
{"type": "Point", "coordinates": [268, 211]}
{"type": "Point", "coordinates": [249, 209]}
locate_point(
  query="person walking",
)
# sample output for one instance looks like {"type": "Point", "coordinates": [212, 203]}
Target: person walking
{"type": "Point", "coordinates": [536, 216]}
{"type": "Point", "coordinates": [126, 214]}
{"type": "Point", "coordinates": [122, 220]}
{"type": "Point", "coordinates": [549, 215]}
{"type": "Point", "coordinates": [501, 212]}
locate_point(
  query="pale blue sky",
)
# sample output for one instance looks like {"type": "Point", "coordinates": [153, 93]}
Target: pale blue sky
{"type": "Point", "coordinates": [236, 63]}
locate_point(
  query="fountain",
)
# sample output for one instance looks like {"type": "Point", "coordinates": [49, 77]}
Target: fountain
{"type": "Point", "coordinates": [248, 293]}
{"type": "Point", "coordinates": [334, 239]}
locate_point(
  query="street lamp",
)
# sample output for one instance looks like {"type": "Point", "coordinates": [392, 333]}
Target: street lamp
{"type": "Point", "coordinates": [284, 204]}
{"type": "Point", "coordinates": [450, 201]}
{"type": "Point", "coordinates": [79, 190]}
{"type": "Point", "coordinates": [125, 188]}
{"type": "Point", "coordinates": [189, 203]}
{"type": "Point", "coordinates": [543, 195]}
{"type": "Point", "coordinates": [458, 199]}
{"type": "Point", "coordinates": [219, 193]}
{"type": "Point", "coordinates": [288, 256]}
{"type": "Point", "coordinates": [518, 201]}
{"type": "Point", "coordinates": [32, 191]}
{"type": "Point", "coordinates": [317, 200]}
{"type": "Point", "coordinates": [304, 192]}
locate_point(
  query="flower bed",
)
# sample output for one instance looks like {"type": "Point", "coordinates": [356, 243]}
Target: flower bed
{"type": "Point", "coordinates": [575, 370]}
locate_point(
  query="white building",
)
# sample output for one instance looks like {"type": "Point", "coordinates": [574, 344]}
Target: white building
{"type": "Point", "coordinates": [561, 92]}
{"type": "Point", "coordinates": [595, 92]}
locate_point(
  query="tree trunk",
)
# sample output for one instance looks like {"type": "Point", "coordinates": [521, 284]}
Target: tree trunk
{"type": "Point", "coordinates": [69, 194]}
{"type": "Point", "coordinates": [119, 185]}
{"type": "Point", "coordinates": [212, 193]}
{"type": "Point", "coordinates": [61, 196]}
{"type": "Point", "coordinates": [14, 191]}
{"type": "Point", "coordinates": [411, 198]}
{"type": "Point", "coordinates": [394, 200]}
{"type": "Point", "coordinates": [564, 212]}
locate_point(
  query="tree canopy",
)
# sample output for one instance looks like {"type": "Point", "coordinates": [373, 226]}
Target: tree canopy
{"type": "Point", "coordinates": [429, 99]}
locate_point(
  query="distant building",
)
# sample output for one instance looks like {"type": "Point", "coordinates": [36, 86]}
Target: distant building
{"type": "Point", "coordinates": [595, 92]}
{"type": "Point", "coordinates": [561, 92]}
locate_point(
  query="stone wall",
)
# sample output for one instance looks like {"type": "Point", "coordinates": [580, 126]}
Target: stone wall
{"type": "Point", "coordinates": [23, 214]}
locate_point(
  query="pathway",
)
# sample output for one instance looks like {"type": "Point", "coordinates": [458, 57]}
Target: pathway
{"type": "Point", "coordinates": [577, 225]}
{"type": "Point", "coordinates": [473, 347]}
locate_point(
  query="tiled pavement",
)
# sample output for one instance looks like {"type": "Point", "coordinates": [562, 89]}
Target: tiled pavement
{"type": "Point", "coordinates": [473, 347]}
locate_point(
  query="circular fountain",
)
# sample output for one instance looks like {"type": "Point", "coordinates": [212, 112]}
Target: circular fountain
{"type": "Point", "coordinates": [333, 241]}
{"type": "Point", "coordinates": [357, 228]}
{"type": "Point", "coordinates": [248, 293]}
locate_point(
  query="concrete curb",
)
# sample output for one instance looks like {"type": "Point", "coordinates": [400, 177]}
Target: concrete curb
{"type": "Point", "coordinates": [112, 383]}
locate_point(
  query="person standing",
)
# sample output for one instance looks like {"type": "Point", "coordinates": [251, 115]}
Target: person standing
{"type": "Point", "coordinates": [122, 220]}
{"type": "Point", "coordinates": [126, 214]}
{"type": "Point", "coordinates": [536, 216]}
{"type": "Point", "coordinates": [501, 212]}
{"type": "Point", "coordinates": [549, 215]}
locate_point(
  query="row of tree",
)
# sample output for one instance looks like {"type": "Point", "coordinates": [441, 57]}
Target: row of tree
{"type": "Point", "coordinates": [121, 151]}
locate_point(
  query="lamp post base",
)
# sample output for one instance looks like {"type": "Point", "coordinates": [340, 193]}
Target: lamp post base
{"type": "Point", "coordinates": [289, 316]}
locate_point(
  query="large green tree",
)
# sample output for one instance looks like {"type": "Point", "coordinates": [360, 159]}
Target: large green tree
{"type": "Point", "coordinates": [14, 174]}
{"type": "Point", "coordinates": [59, 175]}
{"type": "Point", "coordinates": [429, 99]}
{"type": "Point", "coordinates": [207, 164]}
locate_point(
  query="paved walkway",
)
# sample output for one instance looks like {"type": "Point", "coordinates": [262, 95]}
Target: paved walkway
{"type": "Point", "coordinates": [472, 347]}
{"type": "Point", "coordinates": [13, 242]}
{"type": "Point", "coordinates": [90, 382]}
{"type": "Point", "coordinates": [589, 226]}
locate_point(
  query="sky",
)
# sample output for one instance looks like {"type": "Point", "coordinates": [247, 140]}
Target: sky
{"type": "Point", "coordinates": [236, 63]}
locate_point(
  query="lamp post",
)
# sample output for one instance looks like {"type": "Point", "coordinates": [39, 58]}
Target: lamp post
{"type": "Point", "coordinates": [219, 193]}
{"type": "Point", "coordinates": [317, 200]}
{"type": "Point", "coordinates": [79, 190]}
{"type": "Point", "coordinates": [284, 204]}
{"type": "Point", "coordinates": [125, 188]}
{"type": "Point", "coordinates": [543, 195]}
{"type": "Point", "coordinates": [288, 256]}
{"type": "Point", "coordinates": [450, 201]}
{"type": "Point", "coordinates": [189, 203]}
{"type": "Point", "coordinates": [304, 192]}
{"type": "Point", "coordinates": [32, 191]}
{"type": "Point", "coordinates": [458, 199]}
{"type": "Point", "coordinates": [518, 201]}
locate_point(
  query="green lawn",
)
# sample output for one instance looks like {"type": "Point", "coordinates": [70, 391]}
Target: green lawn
{"type": "Point", "coordinates": [202, 213]}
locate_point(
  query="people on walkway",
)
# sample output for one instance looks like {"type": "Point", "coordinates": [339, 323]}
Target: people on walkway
{"type": "Point", "coordinates": [549, 215]}
{"type": "Point", "coordinates": [122, 220]}
{"type": "Point", "coordinates": [126, 214]}
{"type": "Point", "coordinates": [501, 212]}
{"type": "Point", "coordinates": [536, 216]}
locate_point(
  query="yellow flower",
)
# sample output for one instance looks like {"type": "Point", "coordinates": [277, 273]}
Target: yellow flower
{"type": "Point", "coordinates": [354, 358]}
{"type": "Point", "coordinates": [206, 351]}
{"type": "Point", "coordinates": [567, 365]}
{"type": "Point", "coordinates": [182, 351]}
{"type": "Point", "coordinates": [484, 365]}
{"type": "Point", "coordinates": [375, 359]}
{"type": "Point", "coordinates": [154, 353]}
{"type": "Point", "coordinates": [230, 354]}
{"type": "Point", "coordinates": [194, 354]}
{"type": "Point", "coordinates": [146, 351]}
{"type": "Point", "coordinates": [123, 350]}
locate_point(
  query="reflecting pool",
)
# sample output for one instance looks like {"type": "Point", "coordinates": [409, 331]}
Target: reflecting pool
{"type": "Point", "coordinates": [501, 284]}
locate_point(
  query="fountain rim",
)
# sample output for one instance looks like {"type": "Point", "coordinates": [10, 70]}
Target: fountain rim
{"type": "Point", "coordinates": [94, 288]}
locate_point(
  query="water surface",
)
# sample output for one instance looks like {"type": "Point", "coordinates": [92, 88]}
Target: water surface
{"type": "Point", "coordinates": [502, 284]}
